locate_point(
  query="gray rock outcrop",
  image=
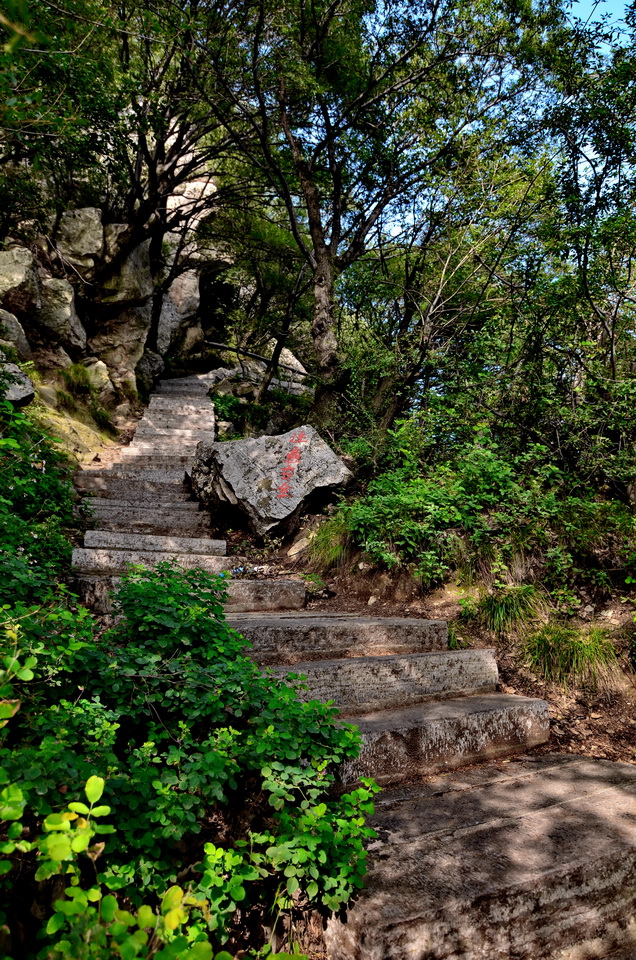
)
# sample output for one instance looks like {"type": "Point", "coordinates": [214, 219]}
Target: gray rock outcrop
{"type": "Point", "coordinates": [14, 384]}
{"type": "Point", "coordinates": [271, 480]}
{"type": "Point", "coordinates": [12, 335]}
{"type": "Point", "coordinates": [19, 283]}
{"type": "Point", "coordinates": [120, 343]}
{"type": "Point", "coordinates": [58, 316]}
{"type": "Point", "coordinates": [133, 282]}
{"type": "Point", "coordinates": [79, 237]}
{"type": "Point", "coordinates": [179, 303]}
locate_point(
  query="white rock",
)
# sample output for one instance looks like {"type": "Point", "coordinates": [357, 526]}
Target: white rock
{"type": "Point", "coordinates": [80, 237]}
{"type": "Point", "coordinates": [272, 480]}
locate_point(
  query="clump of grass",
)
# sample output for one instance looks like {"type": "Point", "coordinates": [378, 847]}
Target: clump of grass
{"type": "Point", "coordinates": [331, 545]}
{"type": "Point", "coordinates": [77, 380]}
{"type": "Point", "coordinates": [65, 401]}
{"type": "Point", "coordinates": [102, 418]}
{"type": "Point", "coordinates": [564, 655]}
{"type": "Point", "coordinates": [509, 606]}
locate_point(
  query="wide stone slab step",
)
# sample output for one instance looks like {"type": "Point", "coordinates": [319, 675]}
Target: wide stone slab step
{"type": "Point", "coordinates": [116, 561]}
{"type": "Point", "coordinates": [402, 744]}
{"type": "Point", "coordinates": [297, 638]}
{"type": "Point", "coordinates": [266, 596]}
{"type": "Point", "coordinates": [177, 526]}
{"type": "Point", "coordinates": [534, 860]}
{"type": "Point", "coordinates": [101, 505]}
{"type": "Point", "coordinates": [147, 432]}
{"type": "Point", "coordinates": [156, 460]}
{"type": "Point", "coordinates": [133, 471]}
{"type": "Point", "coordinates": [96, 591]}
{"type": "Point", "coordinates": [171, 421]}
{"type": "Point", "coordinates": [363, 684]}
{"type": "Point", "coordinates": [116, 488]}
{"type": "Point", "coordinates": [174, 405]}
{"type": "Point", "coordinates": [122, 541]}
{"type": "Point", "coordinates": [165, 447]}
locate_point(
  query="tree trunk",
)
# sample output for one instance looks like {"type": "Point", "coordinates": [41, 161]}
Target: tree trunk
{"type": "Point", "coordinates": [325, 343]}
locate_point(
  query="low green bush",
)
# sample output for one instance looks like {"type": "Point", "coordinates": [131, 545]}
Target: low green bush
{"type": "Point", "coordinates": [215, 772]}
{"type": "Point", "coordinates": [482, 511]}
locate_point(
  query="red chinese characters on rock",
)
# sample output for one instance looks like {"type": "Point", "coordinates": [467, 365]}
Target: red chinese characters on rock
{"type": "Point", "coordinates": [292, 459]}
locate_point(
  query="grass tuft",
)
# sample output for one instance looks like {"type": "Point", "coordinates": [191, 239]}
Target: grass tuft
{"type": "Point", "coordinates": [331, 545]}
{"type": "Point", "coordinates": [567, 656]}
{"type": "Point", "coordinates": [508, 607]}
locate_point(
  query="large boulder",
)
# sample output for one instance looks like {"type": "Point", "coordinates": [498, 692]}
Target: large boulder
{"type": "Point", "coordinates": [79, 237]}
{"type": "Point", "coordinates": [180, 302]}
{"type": "Point", "coordinates": [132, 282]}
{"type": "Point", "coordinates": [14, 384]}
{"type": "Point", "coordinates": [271, 480]}
{"type": "Point", "coordinates": [19, 283]}
{"type": "Point", "coordinates": [120, 343]}
{"type": "Point", "coordinates": [58, 315]}
{"type": "Point", "coordinates": [12, 334]}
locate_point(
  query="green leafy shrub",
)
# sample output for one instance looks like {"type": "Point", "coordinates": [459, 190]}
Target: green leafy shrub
{"type": "Point", "coordinates": [216, 771]}
{"type": "Point", "coordinates": [228, 407]}
{"type": "Point", "coordinates": [36, 509]}
{"type": "Point", "coordinates": [564, 655]}
{"type": "Point", "coordinates": [482, 511]}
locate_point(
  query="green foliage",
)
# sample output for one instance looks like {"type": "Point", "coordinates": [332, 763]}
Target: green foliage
{"type": "Point", "coordinates": [228, 407]}
{"type": "Point", "coordinates": [36, 509]}
{"type": "Point", "coordinates": [231, 770]}
{"type": "Point", "coordinates": [565, 655]}
{"type": "Point", "coordinates": [77, 380]}
{"type": "Point", "coordinates": [488, 514]}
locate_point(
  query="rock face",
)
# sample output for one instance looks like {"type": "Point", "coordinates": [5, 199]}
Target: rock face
{"type": "Point", "coordinates": [80, 237]}
{"type": "Point", "coordinates": [19, 285]}
{"type": "Point", "coordinates": [180, 302]}
{"type": "Point", "coordinates": [133, 282]}
{"type": "Point", "coordinates": [270, 479]}
{"type": "Point", "coordinates": [58, 315]}
{"type": "Point", "coordinates": [120, 343]}
{"type": "Point", "coordinates": [17, 387]}
{"type": "Point", "coordinates": [12, 334]}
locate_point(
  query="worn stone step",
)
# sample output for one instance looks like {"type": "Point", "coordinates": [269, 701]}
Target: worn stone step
{"type": "Point", "coordinates": [104, 539]}
{"type": "Point", "coordinates": [173, 421]}
{"type": "Point", "coordinates": [185, 390]}
{"type": "Point", "coordinates": [96, 590]}
{"type": "Point", "coordinates": [115, 561]}
{"type": "Point", "coordinates": [175, 405]}
{"type": "Point", "coordinates": [402, 744]}
{"type": "Point", "coordinates": [163, 445]}
{"type": "Point", "coordinates": [144, 432]}
{"type": "Point", "coordinates": [132, 471]}
{"type": "Point", "coordinates": [175, 526]}
{"type": "Point", "coordinates": [296, 638]}
{"type": "Point", "coordinates": [156, 460]}
{"type": "Point", "coordinates": [363, 684]}
{"type": "Point", "coordinates": [152, 451]}
{"type": "Point", "coordinates": [113, 487]}
{"type": "Point", "coordinates": [100, 505]}
{"type": "Point", "coordinates": [154, 472]}
{"type": "Point", "coordinates": [266, 596]}
{"type": "Point", "coordinates": [531, 860]}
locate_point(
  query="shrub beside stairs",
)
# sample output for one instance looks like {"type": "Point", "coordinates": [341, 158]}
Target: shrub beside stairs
{"type": "Point", "coordinates": [525, 858]}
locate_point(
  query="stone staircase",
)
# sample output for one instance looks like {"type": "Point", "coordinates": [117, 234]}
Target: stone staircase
{"type": "Point", "coordinates": [512, 859]}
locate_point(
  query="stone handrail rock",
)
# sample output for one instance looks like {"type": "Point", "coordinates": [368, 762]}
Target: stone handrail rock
{"type": "Point", "coordinates": [271, 480]}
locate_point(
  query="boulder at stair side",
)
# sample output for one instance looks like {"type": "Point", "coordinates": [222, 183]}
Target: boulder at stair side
{"type": "Point", "coordinates": [271, 480]}
{"type": "Point", "coordinates": [80, 237]}
{"type": "Point", "coordinates": [17, 387]}
{"type": "Point", "coordinates": [19, 284]}
{"type": "Point", "coordinates": [58, 315]}
{"type": "Point", "coordinates": [12, 334]}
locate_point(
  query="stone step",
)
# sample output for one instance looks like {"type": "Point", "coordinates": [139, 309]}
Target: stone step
{"type": "Point", "coordinates": [363, 684]}
{"type": "Point", "coordinates": [297, 638]}
{"type": "Point", "coordinates": [104, 539]}
{"type": "Point", "coordinates": [155, 460]}
{"type": "Point", "coordinates": [177, 525]}
{"type": "Point", "coordinates": [174, 421]}
{"type": "Point", "coordinates": [101, 505]}
{"type": "Point", "coordinates": [266, 596]}
{"type": "Point", "coordinates": [398, 745]}
{"type": "Point", "coordinates": [155, 474]}
{"type": "Point", "coordinates": [144, 432]}
{"type": "Point", "coordinates": [532, 860]}
{"type": "Point", "coordinates": [185, 390]}
{"type": "Point", "coordinates": [112, 561]}
{"type": "Point", "coordinates": [135, 491]}
{"type": "Point", "coordinates": [162, 445]}
{"type": "Point", "coordinates": [176, 406]}
{"type": "Point", "coordinates": [96, 591]}
{"type": "Point", "coordinates": [159, 451]}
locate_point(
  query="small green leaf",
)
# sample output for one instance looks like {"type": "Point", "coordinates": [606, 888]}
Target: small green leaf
{"type": "Point", "coordinates": [108, 907]}
{"type": "Point", "coordinates": [312, 889]}
{"type": "Point", "coordinates": [94, 789]}
{"type": "Point", "coordinates": [55, 923]}
{"type": "Point", "coordinates": [292, 885]}
{"type": "Point", "coordinates": [77, 807]}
